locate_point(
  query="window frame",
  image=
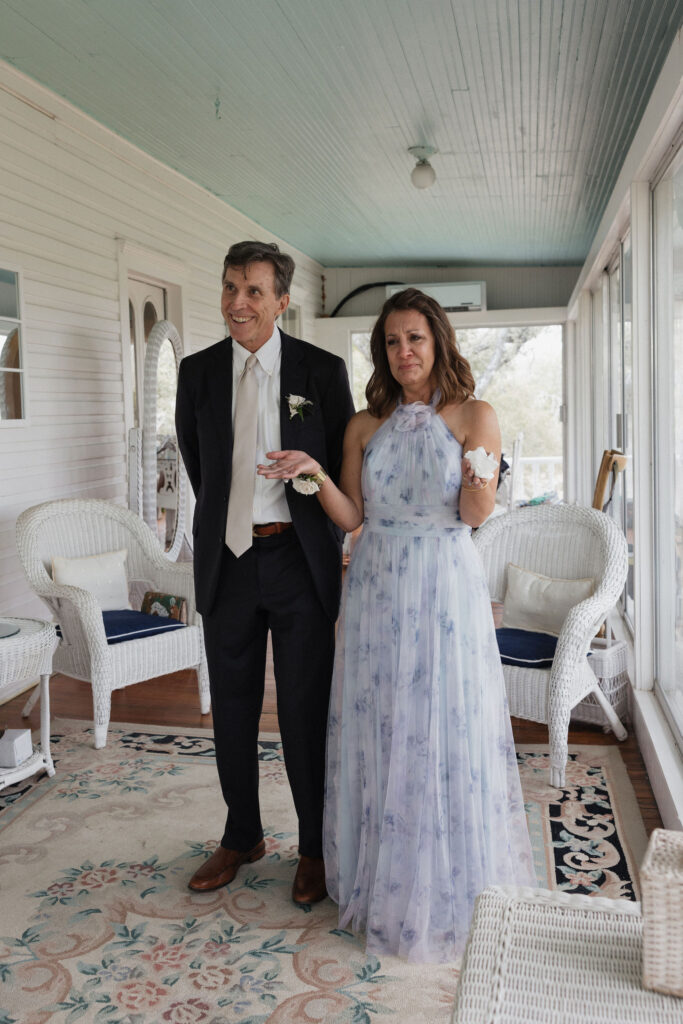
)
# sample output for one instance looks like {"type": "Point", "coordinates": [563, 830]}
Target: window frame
{"type": "Point", "coordinates": [20, 321]}
{"type": "Point", "coordinates": [618, 429]}
{"type": "Point", "coordinates": [664, 414]}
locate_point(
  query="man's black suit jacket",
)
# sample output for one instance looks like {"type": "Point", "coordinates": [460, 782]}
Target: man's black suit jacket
{"type": "Point", "coordinates": [204, 428]}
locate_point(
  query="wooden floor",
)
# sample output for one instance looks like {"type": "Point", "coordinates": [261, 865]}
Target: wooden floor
{"type": "Point", "coordinates": [173, 700]}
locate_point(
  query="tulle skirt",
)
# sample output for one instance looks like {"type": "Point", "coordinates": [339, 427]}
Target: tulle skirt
{"type": "Point", "coordinates": [423, 799]}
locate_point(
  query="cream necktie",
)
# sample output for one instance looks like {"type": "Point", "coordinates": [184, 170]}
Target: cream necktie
{"type": "Point", "coordinates": [238, 535]}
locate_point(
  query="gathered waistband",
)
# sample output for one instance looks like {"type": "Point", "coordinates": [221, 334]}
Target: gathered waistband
{"type": "Point", "coordinates": [417, 520]}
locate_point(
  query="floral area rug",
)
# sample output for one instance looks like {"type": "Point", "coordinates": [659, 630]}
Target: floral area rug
{"type": "Point", "coordinates": [97, 922]}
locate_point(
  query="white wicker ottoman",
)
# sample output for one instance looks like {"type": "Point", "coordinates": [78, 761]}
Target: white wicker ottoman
{"type": "Point", "coordinates": [539, 957]}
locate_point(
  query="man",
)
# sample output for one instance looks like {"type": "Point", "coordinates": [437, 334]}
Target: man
{"type": "Point", "coordinates": [265, 556]}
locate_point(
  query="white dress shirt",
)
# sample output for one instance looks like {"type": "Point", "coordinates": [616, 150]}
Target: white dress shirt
{"type": "Point", "coordinates": [270, 503]}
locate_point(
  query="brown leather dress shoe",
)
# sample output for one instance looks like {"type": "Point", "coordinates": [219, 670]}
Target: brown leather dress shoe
{"type": "Point", "coordinates": [309, 881]}
{"type": "Point", "coordinates": [221, 867]}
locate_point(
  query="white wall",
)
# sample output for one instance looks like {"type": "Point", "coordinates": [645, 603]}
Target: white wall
{"type": "Point", "coordinates": [73, 198]}
{"type": "Point", "coordinates": [506, 287]}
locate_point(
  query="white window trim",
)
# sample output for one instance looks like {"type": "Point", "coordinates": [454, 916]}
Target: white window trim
{"type": "Point", "coordinates": [665, 536]}
{"type": "Point", "coordinates": [600, 369]}
{"type": "Point", "coordinates": [643, 434]}
{"type": "Point", "coordinates": [660, 752]}
{"type": "Point", "coordinates": [618, 439]}
{"type": "Point", "coordinates": [7, 263]}
{"type": "Point", "coordinates": [334, 333]}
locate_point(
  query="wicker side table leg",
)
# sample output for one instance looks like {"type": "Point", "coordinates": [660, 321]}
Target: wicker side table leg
{"type": "Point", "coordinates": [31, 702]}
{"type": "Point", "coordinates": [45, 723]}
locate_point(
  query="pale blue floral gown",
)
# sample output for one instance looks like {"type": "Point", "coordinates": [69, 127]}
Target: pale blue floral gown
{"type": "Point", "coordinates": [423, 800]}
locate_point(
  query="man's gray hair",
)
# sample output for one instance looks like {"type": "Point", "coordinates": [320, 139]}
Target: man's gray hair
{"type": "Point", "coordinates": [243, 254]}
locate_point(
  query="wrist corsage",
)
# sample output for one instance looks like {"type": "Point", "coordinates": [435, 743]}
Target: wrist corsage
{"type": "Point", "coordinates": [298, 406]}
{"type": "Point", "coordinates": [309, 483]}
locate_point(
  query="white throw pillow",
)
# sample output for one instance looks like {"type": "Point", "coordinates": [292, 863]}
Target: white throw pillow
{"type": "Point", "coordinates": [539, 603]}
{"type": "Point", "coordinates": [103, 575]}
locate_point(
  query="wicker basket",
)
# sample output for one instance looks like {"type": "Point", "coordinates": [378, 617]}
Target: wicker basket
{"type": "Point", "coordinates": [661, 883]}
{"type": "Point", "coordinates": [610, 666]}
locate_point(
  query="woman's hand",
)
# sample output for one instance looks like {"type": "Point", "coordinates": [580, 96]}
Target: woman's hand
{"type": "Point", "coordinates": [470, 482]}
{"type": "Point", "coordinates": [344, 507]}
{"type": "Point", "coordinates": [288, 464]}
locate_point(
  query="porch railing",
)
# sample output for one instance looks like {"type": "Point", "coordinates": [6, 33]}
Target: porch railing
{"type": "Point", "coordinates": [538, 474]}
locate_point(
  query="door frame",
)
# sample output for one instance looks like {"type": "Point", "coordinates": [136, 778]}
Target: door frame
{"type": "Point", "coordinates": [164, 272]}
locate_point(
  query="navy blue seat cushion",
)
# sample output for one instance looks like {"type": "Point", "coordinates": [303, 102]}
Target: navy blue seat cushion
{"type": "Point", "coordinates": [526, 649]}
{"type": "Point", "coordinates": [127, 624]}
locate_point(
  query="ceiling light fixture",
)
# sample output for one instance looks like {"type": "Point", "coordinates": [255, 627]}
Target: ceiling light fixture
{"type": "Point", "coordinates": [423, 174]}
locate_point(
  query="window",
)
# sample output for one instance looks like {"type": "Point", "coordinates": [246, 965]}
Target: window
{"type": "Point", "coordinates": [361, 366]}
{"type": "Point", "coordinates": [627, 423]}
{"type": "Point", "coordinates": [668, 475]}
{"type": "Point", "coordinates": [620, 376]}
{"type": "Point", "coordinates": [519, 371]}
{"type": "Point", "coordinates": [12, 400]}
{"type": "Point", "coordinates": [290, 320]}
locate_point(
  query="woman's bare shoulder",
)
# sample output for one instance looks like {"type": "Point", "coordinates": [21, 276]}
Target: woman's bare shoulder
{"type": "Point", "coordinates": [472, 415]}
{"type": "Point", "coordinates": [477, 412]}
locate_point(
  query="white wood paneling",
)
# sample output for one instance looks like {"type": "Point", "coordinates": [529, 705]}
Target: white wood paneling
{"type": "Point", "coordinates": [71, 194]}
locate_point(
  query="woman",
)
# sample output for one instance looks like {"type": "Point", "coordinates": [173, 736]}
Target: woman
{"type": "Point", "coordinates": [423, 800]}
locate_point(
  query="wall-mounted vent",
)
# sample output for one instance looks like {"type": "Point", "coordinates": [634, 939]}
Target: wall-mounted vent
{"type": "Point", "coordinates": [453, 296]}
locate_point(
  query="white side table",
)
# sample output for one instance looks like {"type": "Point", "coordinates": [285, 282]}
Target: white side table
{"type": "Point", "coordinates": [556, 958]}
{"type": "Point", "coordinates": [23, 656]}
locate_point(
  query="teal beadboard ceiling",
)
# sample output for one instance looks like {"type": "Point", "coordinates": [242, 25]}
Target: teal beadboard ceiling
{"type": "Point", "coordinates": [299, 113]}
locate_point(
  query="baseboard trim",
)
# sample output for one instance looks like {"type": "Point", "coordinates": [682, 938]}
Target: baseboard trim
{"type": "Point", "coordinates": [661, 756]}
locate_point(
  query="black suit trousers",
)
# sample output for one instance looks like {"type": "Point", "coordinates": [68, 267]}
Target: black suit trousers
{"type": "Point", "coordinates": [269, 588]}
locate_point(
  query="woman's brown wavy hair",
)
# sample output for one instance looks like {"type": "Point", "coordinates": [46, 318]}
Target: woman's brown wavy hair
{"type": "Point", "coordinates": [451, 370]}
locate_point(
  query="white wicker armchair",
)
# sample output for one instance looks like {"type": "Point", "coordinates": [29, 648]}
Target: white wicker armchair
{"type": "Point", "coordinates": [75, 528]}
{"type": "Point", "coordinates": [568, 542]}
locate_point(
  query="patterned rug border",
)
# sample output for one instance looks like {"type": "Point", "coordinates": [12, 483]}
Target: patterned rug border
{"type": "Point", "coordinates": [159, 730]}
{"type": "Point", "coordinates": [632, 834]}
{"type": "Point", "coordinates": [631, 828]}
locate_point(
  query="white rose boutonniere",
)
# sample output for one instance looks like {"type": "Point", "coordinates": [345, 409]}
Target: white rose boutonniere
{"type": "Point", "coordinates": [298, 406]}
{"type": "Point", "coordinates": [484, 465]}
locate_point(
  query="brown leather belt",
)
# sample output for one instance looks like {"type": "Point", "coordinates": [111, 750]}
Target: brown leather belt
{"type": "Point", "coordinates": [268, 529]}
